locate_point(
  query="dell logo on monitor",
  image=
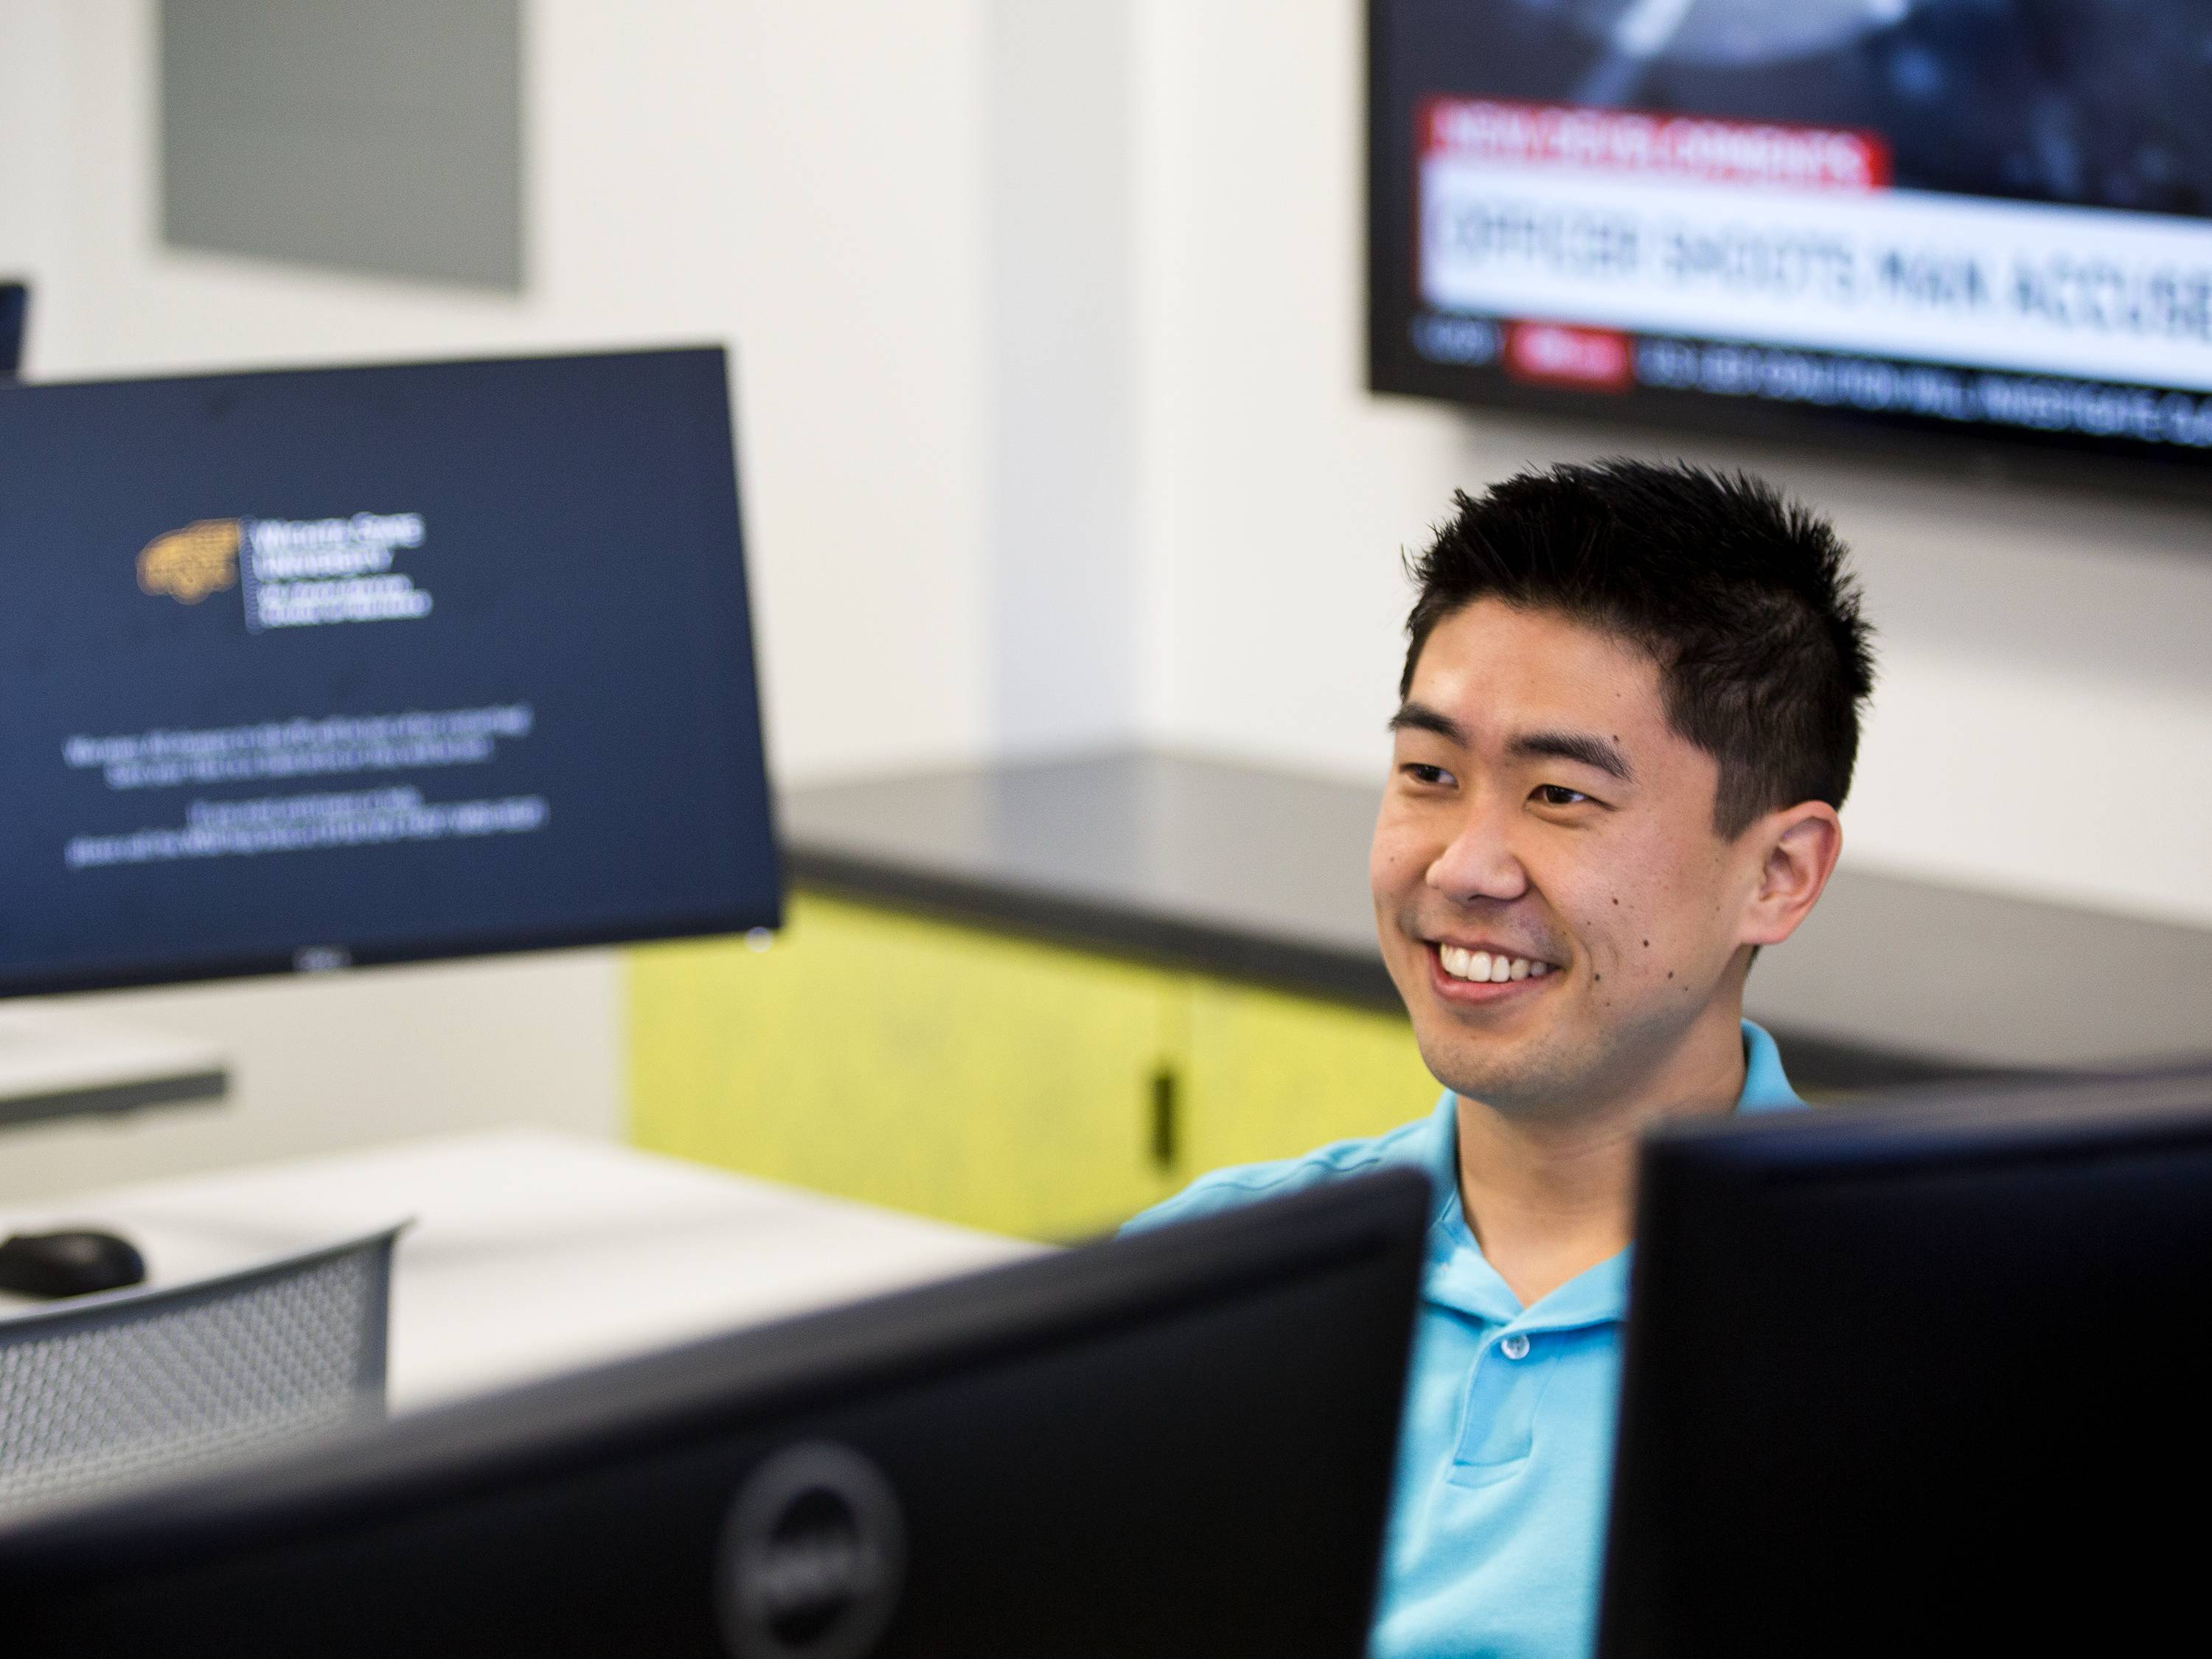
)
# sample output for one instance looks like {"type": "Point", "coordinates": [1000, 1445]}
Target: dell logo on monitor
{"type": "Point", "coordinates": [811, 1557]}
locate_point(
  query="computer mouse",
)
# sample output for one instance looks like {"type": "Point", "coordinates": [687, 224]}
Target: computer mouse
{"type": "Point", "coordinates": [75, 1262]}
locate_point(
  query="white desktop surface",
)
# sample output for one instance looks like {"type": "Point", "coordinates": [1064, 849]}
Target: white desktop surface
{"type": "Point", "coordinates": [533, 1251]}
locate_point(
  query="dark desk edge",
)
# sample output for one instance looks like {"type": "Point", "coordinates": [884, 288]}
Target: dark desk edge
{"type": "Point", "coordinates": [107, 1098]}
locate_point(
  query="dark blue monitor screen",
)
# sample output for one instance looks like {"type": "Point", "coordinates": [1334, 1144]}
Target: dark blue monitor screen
{"type": "Point", "coordinates": [305, 669]}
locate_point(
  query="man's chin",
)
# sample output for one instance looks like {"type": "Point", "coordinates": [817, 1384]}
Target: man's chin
{"type": "Point", "coordinates": [1499, 1073]}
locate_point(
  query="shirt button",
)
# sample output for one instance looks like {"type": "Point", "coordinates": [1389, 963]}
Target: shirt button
{"type": "Point", "coordinates": [1515, 1347]}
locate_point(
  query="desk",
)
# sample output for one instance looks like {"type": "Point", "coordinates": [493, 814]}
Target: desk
{"type": "Point", "coordinates": [534, 1252]}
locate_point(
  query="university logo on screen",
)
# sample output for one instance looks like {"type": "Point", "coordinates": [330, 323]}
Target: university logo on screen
{"type": "Point", "coordinates": [293, 573]}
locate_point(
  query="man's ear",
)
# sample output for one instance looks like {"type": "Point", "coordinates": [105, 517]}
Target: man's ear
{"type": "Point", "coordinates": [1797, 846]}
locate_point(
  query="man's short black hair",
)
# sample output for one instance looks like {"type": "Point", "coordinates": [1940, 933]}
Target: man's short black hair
{"type": "Point", "coordinates": [1744, 599]}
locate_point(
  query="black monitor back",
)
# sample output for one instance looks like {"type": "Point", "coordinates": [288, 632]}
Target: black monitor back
{"type": "Point", "coordinates": [15, 307]}
{"type": "Point", "coordinates": [1176, 1443]}
{"type": "Point", "coordinates": [1930, 1376]}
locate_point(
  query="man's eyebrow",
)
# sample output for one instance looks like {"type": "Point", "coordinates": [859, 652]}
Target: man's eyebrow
{"type": "Point", "coordinates": [1420, 717]}
{"type": "Point", "coordinates": [1578, 746]}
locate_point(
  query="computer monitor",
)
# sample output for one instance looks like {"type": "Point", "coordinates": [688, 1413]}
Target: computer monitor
{"type": "Point", "coordinates": [1176, 1444]}
{"type": "Point", "coordinates": [1930, 1376]}
{"type": "Point", "coordinates": [14, 308]}
{"type": "Point", "coordinates": [304, 668]}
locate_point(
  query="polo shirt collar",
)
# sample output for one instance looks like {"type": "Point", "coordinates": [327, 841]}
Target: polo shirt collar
{"type": "Point", "coordinates": [1460, 1279]}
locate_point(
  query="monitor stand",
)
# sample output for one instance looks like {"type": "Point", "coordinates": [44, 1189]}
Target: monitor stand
{"type": "Point", "coordinates": [57, 1062]}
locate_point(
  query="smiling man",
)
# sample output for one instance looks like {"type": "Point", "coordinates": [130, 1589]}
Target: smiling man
{"type": "Point", "coordinates": [1628, 716]}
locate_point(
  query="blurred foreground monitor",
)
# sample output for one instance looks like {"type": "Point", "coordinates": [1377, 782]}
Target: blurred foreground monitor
{"type": "Point", "coordinates": [1926, 1373]}
{"type": "Point", "coordinates": [1176, 1445]}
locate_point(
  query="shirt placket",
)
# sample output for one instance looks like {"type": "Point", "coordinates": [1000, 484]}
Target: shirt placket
{"type": "Point", "coordinates": [1497, 1427]}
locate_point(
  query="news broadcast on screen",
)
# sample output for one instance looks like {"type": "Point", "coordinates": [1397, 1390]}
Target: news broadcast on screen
{"type": "Point", "coordinates": [1983, 215]}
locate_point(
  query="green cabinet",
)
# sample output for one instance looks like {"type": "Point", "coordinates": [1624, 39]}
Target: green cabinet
{"type": "Point", "coordinates": [1275, 1076]}
{"type": "Point", "coordinates": [989, 1080]}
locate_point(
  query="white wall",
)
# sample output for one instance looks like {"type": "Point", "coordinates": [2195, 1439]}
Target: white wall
{"type": "Point", "coordinates": [2044, 724]}
{"type": "Point", "coordinates": [804, 182]}
{"type": "Point", "coordinates": [1066, 591]}
{"type": "Point", "coordinates": [32, 113]}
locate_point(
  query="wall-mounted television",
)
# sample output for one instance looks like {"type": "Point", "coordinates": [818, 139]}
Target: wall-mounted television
{"type": "Point", "coordinates": [1957, 225]}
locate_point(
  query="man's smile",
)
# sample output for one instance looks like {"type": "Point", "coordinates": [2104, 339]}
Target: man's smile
{"type": "Point", "coordinates": [1482, 972]}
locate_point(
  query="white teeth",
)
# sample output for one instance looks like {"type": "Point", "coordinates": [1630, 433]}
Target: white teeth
{"type": "Point", "coordinates": [1463, 963]}
{"type": "Point", "coordinates": [1482, 967]}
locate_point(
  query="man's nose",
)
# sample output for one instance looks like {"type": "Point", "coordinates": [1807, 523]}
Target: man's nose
{"type": "Point", "coordinates": [1479, 862]}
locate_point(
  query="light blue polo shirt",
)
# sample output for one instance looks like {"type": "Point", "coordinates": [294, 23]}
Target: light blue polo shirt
{"type": "Point", "coordinates": [1497, 1524]}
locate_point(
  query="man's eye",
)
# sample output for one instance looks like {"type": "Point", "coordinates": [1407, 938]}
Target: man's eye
{"type": "Point", "coordinates": [1433, 776]}
{"type": "Point", "coordinates": [1557, 794]}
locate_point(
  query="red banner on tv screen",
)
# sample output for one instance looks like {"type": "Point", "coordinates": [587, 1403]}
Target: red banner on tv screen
{"type": "Point", "coordinates": [1588, 359]}
{"type": "Point", "coordinates": [1791, 157]}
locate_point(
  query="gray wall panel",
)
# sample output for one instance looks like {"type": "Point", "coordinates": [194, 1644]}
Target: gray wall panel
{"type": "Point", "coordinates": [381, 136]}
